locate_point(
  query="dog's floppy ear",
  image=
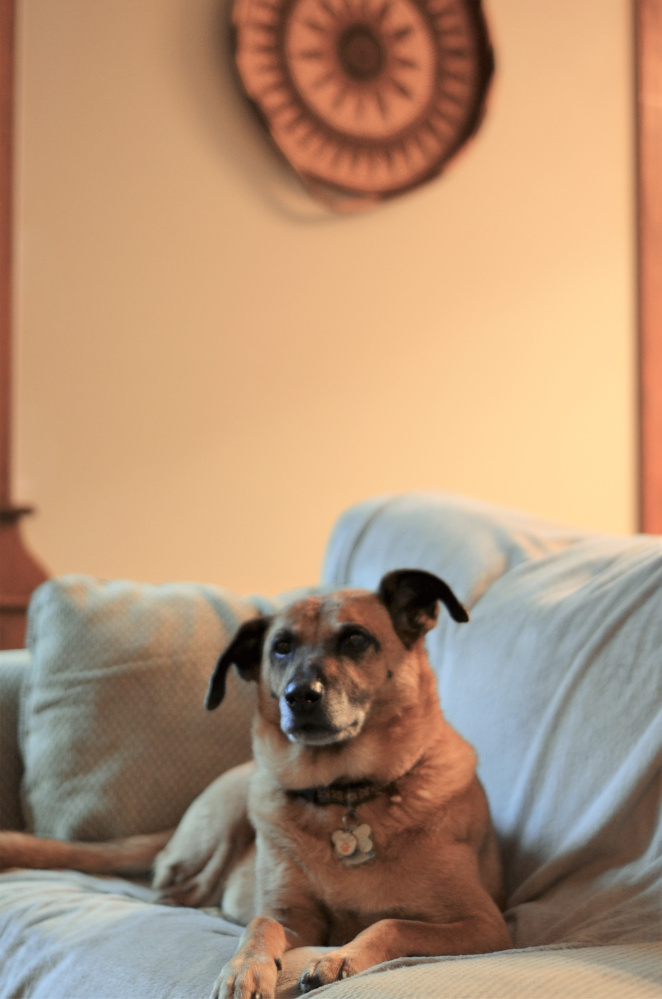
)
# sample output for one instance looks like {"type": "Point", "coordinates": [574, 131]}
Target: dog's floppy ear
{"type": "Point", "coordinates": [410, 596]}
{"type": "Point", "coordinates": [244, 652]}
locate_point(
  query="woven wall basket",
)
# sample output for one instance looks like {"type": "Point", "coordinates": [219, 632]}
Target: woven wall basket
{"type": "Point", "coordinates": [364, 98]}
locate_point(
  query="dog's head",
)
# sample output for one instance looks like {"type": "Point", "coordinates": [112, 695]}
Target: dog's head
{"type": "Point", "coordinates": [326, 664]}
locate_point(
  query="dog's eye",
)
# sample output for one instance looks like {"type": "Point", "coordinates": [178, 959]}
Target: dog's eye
{"type": "Point", "coordinates": [282, 647]}
{"type": "Point", "coordinates": [353, 643]}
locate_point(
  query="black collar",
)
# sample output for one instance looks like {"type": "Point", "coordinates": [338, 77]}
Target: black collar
{"type": "Point", "coordinates": [348, 793]}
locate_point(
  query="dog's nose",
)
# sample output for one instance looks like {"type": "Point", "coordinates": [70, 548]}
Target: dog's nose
{"type": "Point", "coordinates": [304, 696]}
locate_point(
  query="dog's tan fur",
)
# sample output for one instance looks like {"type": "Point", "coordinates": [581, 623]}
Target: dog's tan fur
{"type": "Point", "coordinates": [434, 884]}
{"type": "Point", "coordinates": [133, 855]}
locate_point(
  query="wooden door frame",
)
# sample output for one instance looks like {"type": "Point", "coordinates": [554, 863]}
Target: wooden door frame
{"type": "Point", "coordinates": [6, 160]}
{"type": "Point", "coordinates": [648, 89]}
{"type": "Point", "coordinates": [20, 573]}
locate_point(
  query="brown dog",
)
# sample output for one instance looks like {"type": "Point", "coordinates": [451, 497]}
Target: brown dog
{"type": "Point", "coordinates": [361, 823]}
{"type": "Point", "coordinates": [372, 831]}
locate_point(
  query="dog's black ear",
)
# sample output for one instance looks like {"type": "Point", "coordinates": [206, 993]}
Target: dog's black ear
{"type": "Point", "coordinates": [410, 596]}
{"type": "Point", "coordinates": [244, 652]}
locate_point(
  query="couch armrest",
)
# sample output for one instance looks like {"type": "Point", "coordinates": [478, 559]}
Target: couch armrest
{"type": "Point", "coordinates": [13, 668]}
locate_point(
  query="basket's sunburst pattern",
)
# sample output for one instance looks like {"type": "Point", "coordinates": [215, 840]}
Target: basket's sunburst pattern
{"type": "Point", "coordinates": [365, 97]}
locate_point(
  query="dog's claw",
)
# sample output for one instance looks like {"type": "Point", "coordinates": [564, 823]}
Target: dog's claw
{"type": "Point", "coordinates": [331, 968]}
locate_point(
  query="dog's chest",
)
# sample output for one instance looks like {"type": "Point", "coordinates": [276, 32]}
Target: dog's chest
{"type": "Point", "coordinates": [382, 873]}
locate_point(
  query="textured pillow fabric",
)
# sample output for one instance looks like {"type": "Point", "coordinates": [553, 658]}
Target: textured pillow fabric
{"type": "Point", "coordinates": [557, 682]}
{"type": "Point", "coordinates": [113, 731]}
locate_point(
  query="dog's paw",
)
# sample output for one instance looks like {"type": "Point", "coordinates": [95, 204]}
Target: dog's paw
{"type": "Point", "coordinates": [179, 883]}
{"type": "Point", "coordinates": [178, 866]}
{"type": "Point", "coordinates": [212, 835]}
{"type": "Point", "coordinates": [242, 979]}
{"type": "Point", "coordinates": [332, 967]}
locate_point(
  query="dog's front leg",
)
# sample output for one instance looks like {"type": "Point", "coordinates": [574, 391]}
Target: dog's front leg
{"type": "Point", "coordinates": [252, 972]}
{"type": "Point", "coordinates": [289, 919]}
{"type": "Point", "coordinates": [392, 938]}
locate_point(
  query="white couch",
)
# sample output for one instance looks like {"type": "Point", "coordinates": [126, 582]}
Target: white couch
{"type": "Point", "coordinates": [557, 681]}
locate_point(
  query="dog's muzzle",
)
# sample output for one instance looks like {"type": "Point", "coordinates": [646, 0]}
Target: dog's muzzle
{"type": "Point", "coordinates": [312, 715]}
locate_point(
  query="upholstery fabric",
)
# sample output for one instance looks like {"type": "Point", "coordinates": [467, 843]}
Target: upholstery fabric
{"type": "Point", "coordinates": [65, 935]}
{"type": "Point", "coordinates": [558, 682]}
{"type": "Point", "coordinates": [469, 543]}
{"type": "Point", "coordinates": [113, 732]}
{"type": "Point", "coordinates": [15, 665]}
{"type": "Point", "coordinates": [71, 936]}
{"type": "Point", "coordinates": [554, 973]}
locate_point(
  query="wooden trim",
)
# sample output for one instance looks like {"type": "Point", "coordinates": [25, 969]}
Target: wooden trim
{"type": "Point", "coordinates": [19, 572]}
{"type": "Point", "coordinates": [6, 168]}
{"type": "Point", "coordinates": [648, 33]}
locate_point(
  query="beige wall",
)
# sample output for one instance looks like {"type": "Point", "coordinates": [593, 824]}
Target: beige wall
{"type": "Point", "coordinates": [209, 368]}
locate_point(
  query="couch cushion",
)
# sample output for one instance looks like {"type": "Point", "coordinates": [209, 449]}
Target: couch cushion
{"type": "Point", "coordinates": [114, 735]}
{"type": "Point", "coordinates": [70, 936]}
{"type": "Point", "coordinates": [14, 666]}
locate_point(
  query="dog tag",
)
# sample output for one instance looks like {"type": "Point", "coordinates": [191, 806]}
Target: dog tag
{"type": "Point", "coordinates": [354, 846]}
{"type": "Point", "coordinates": [363, 837]}
{"type": "Point", "coordinates": [345, 843]}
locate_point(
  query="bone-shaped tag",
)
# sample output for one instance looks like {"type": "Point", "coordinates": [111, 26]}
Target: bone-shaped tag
{"type": "Point", "coordinates": [363, 837]}
{"type": "Point", "coordinates": [353, 847]}
{"type": "Point", "coordinates": [344, 842]}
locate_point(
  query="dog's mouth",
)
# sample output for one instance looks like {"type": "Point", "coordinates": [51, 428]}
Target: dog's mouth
{"type": "Point", "coordinates": [313, 715]}
{"type": "Point", "coordinates": [311, 734]}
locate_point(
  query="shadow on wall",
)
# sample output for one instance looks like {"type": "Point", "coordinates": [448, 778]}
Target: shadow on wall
{"type": "Point", "coordinates": [229, 118]}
